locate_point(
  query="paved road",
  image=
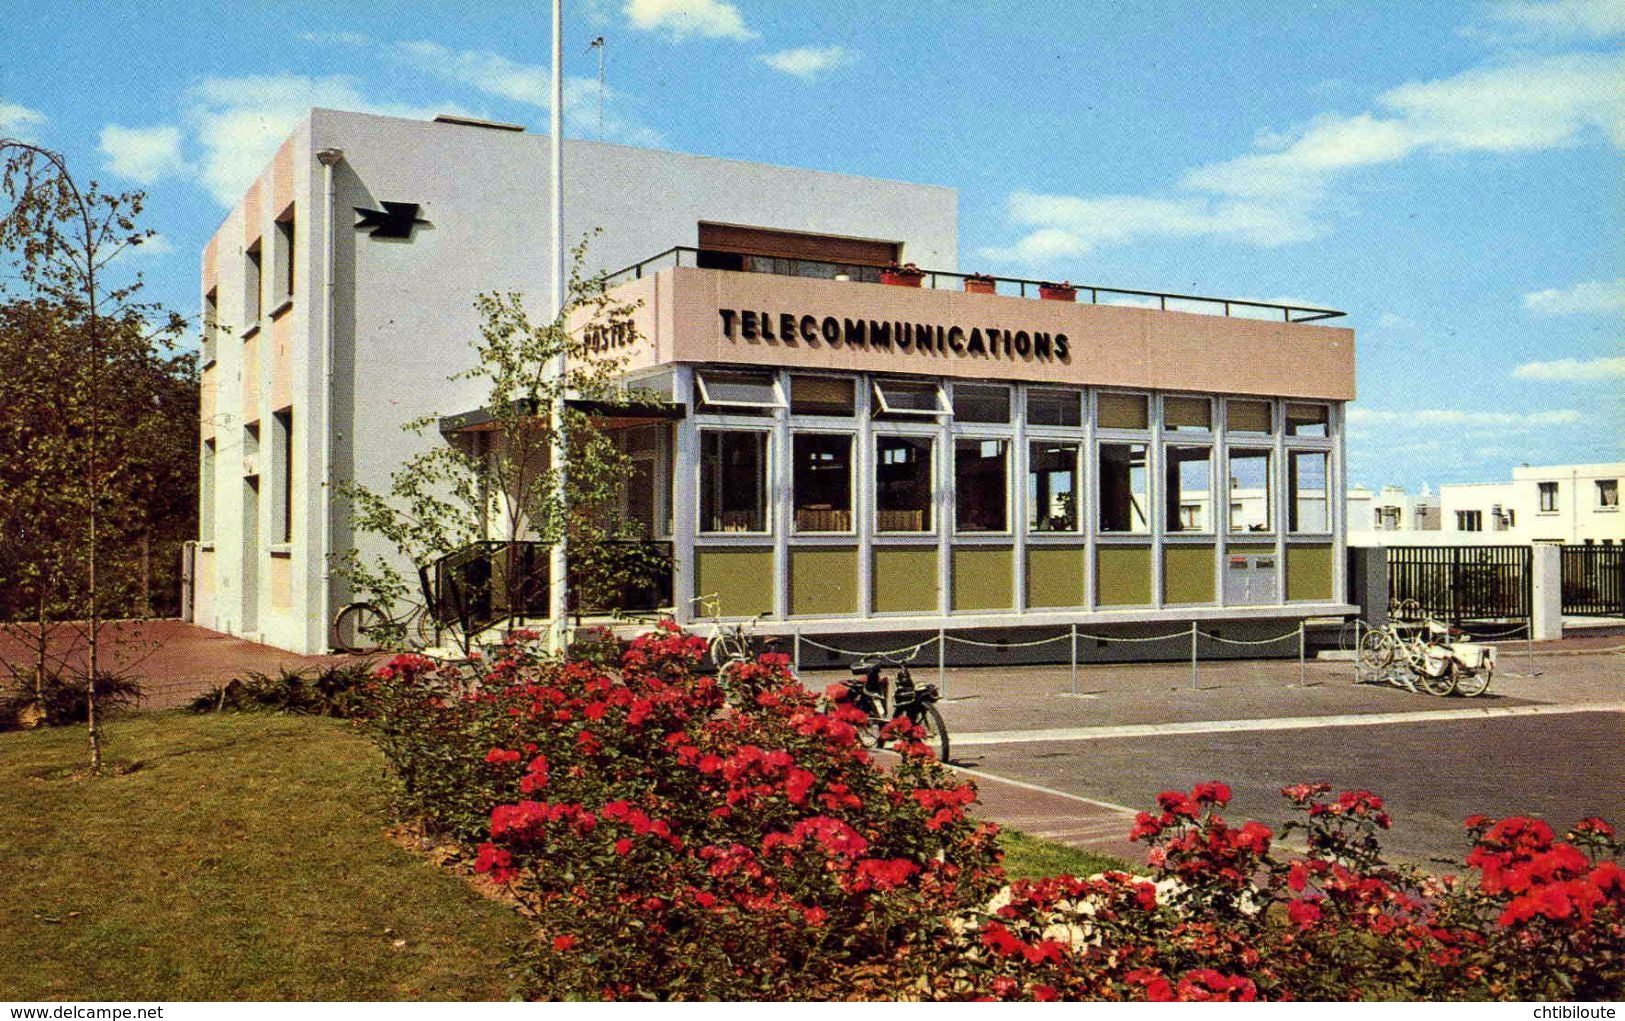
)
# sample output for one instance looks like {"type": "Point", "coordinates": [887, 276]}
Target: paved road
{"type": "Point", "coordinates": [1433, 773]}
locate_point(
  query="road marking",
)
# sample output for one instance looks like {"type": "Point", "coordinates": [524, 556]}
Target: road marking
{"type": "Point", "coordinates": [993, 737]}
{"type": "Point", "coordinates": [1043, 790]}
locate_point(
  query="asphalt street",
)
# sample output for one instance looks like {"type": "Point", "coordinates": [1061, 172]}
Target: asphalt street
{"type": "Point", "coordinates": [1432, 773]}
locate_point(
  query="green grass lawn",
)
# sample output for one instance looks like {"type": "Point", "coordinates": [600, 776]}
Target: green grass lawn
{"type": "Point", "coordinates": [243, 857]}
{"type": "Point", "coordinates": [1028, 857]}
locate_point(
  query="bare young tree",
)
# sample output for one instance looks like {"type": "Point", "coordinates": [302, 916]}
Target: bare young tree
{"type": "Point", "coordinates": [60, 241]}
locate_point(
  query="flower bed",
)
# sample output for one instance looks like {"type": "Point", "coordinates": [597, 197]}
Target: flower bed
{"type": "Point", "coordinates": [676, 835]}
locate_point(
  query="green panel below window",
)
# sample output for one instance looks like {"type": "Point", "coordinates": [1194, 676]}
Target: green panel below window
{"type": "Point", "coordinates": [905, 579]}
{"type": "Point", "coordinates": [982, 578]}
{"type": "Point", "coordinates": [1187, 574]}
{"type": "Point", "coordinates": [1055, 576]}
{"type": "Point", "coordinates": [823, 581]}
{"type": "Point", "coordinates": [1123, 575]}
{"type": "Point", "coordinates": [742, 579]}
{"type": "Point", "coordinates": [1308, 572]}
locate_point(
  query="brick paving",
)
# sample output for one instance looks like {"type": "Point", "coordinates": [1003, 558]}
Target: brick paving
{"type": "Point", "coordinates": [176, 661]}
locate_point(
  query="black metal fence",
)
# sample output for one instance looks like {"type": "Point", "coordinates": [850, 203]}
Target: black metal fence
{"type": "Point", "coordinates": [1594, 581]}
{"type": "Point", "coordinates": [1462, 583]}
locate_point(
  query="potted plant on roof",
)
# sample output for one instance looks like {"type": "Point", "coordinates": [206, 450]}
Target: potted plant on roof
{"type": "Point", "coordinates": [906, 275]}
{"type": "Point", "coordinates": [980, 283]}
{"type": "Point", "coordinates": [1063, 291]}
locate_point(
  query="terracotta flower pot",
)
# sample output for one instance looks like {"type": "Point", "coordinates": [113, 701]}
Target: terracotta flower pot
{"type": "Point", "coordinates": [902, 276]}
{"type": "Point", "coordinates": [976, 285]}
{"type": "Point", "coordinates": [1057, 292]}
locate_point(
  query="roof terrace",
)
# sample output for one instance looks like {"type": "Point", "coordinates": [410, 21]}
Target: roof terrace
{"type": "Point", "coordinates": [942, 280]}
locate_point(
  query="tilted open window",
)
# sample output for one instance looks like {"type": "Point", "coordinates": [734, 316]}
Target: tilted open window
{"type": "Point", "coordinates": [895, 397]}
{"type": "Point", "coordinates": [734, 392]}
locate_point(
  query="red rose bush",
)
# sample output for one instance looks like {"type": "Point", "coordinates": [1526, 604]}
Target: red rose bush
{"type": "Point", "coordinates": [676, 835]}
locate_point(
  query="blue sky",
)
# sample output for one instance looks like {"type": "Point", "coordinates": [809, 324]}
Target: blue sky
{"type": "Point", "coordinates": [1448, 173]}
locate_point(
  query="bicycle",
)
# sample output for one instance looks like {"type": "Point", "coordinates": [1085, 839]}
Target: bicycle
{"type": "Point", "coordinates": [362, 628]}
{"type": "Point", "coordinates": [885, 700]}
{"type": "Point", "coordinates": [1434, 653]}
{"type": "Point", "coordinates": [729, 644]}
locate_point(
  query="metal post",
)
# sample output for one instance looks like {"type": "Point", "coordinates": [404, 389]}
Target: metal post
{"type": "Point", "coordinates": [795, 656]}
{"type": "Point", "coordinates": [1074, 659]}
{"type": "Point", "coordinates": [1301, 654]}
{"type": "Point", "coordinates": [1194, 681]}
{"type": "Point", "coordinates": [558, 573]}
{"type": "Point", "coordinates": [942, 661]}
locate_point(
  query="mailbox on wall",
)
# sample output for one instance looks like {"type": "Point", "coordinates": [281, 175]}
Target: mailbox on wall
{"type": "Point", "coordinates": [1250, 579]}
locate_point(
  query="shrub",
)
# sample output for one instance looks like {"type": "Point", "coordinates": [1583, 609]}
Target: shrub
{"type": "Point", "coordinates": [670, 843]}
{"type": "Point", "coordinates": [64, 701]}
{"type": "Point", "coordinates": [329, 691]}
{"type": "Point", "coordinates": [675, 835]}
{"type": "Point", "coordinates": [1221, 917]}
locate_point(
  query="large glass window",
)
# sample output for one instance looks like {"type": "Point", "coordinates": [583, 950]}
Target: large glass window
{"type": "Point", "coordinates": [1122, 411]}
{"type": "Point", "coordinates": [1307, 503]}
{"type": "Point", "coordinates": [1122, 488]}
{"type": "Point", "coordinates": [1054, 407]}
{"type": "Point", "coordinates": [981, 485]}
{"type": "Point", "coordinates": [1187, 414]}
{"type": "Point", "coordinates": [974, 403]}
{"type": "Point", "coordinates": [1248, 417]}
{"type": "Point", "coordinates": [822, 395]}
{"type": "Point", "coordinates": [733, 481]}
{"type": "Point", "coordinates": [1307, 420]}
{"type": "Point", "coordinates": [903, 483]}
{"type": "Point", "coordinates": [1188, 488]}
{"type": "Point", "coordinates": [1250, 498]}
{"type": "Point", "coordinates": [823, 483]}
{"type": "Point", "coordinates": [1052, 487]}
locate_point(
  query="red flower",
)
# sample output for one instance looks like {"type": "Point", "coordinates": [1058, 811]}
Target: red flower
{"type": "Point", "coordinates": [563, 943]}
{"type": "Point", "coordinates": [1303, 913]}
{"type": "Point", "coordinates": [501, 757]}
{"type": "Point", "coordinates": [623, 846]}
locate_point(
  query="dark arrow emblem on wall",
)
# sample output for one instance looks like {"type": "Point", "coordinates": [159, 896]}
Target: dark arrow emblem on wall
{"type": "Point", "coordinates": [395, 220]}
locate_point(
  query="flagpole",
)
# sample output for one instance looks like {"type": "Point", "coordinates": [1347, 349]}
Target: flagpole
{"type": "Point", "coordinates": [558, 563]}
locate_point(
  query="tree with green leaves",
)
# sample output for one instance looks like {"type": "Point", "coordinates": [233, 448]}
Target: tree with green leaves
{"type": "Point", "coordinates": [91, 385]}
{"type": "Point", "coordinates": [499, 485]}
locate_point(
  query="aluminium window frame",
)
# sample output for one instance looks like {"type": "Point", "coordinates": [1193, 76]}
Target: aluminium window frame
{"type": "Point", "coordinates": [877, 385]}
{"type": "Point", "coordinates": [774, 380]}
{"type": "Point", "coordinates": [769, 466]}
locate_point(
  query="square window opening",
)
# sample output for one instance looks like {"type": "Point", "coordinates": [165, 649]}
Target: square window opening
{"type": "Point", "coordinates": [1187, 414]}
{"type": "Point", "coordinates": [1308, 420]}
{"type": "Point", "coordinates": [1054, 407]}
{"type": "Point", "coordinates": [976, 403]}
{"type": "Point", "coordinates": [1122, 411]}
{"type": "Point", "coordinates": [823, 395]}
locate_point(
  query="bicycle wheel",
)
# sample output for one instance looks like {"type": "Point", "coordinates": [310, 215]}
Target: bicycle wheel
{"type": "Point", "coordinates": [425, 629]}
{"type": "Point", "coordinates": [936, 732]}
{"type": "Point", "coordinates": [1442, 683]}
{"type": "Point", "coordinates": [1376, 650]}
{"type": "Point", "coordinates": [1349, 635]}
{"type": "Point", "coordinates": [1472, 683]}
{"type": "Point", "coordinates": [356, 628]}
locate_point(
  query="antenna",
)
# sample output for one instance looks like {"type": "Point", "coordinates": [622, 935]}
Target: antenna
{"type": "Point", "coordinates": [598, 44]}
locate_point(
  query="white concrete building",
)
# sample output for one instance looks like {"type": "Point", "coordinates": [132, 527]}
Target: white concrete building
{"type": "Point", "coordinates": [1574, 504]}
{"type": "Point", "coordinates": [847, 446]}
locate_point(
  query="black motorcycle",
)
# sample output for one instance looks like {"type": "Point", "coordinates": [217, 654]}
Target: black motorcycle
{"type": "Point", "coordinates": [885, 699]}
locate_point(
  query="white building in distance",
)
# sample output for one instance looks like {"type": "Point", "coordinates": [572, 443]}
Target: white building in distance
{"type": "Point", "coordinates": [1573, 504]}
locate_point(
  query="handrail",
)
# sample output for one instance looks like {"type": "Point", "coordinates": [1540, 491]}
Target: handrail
{"type": "Point", "coordinates": [674, 257]}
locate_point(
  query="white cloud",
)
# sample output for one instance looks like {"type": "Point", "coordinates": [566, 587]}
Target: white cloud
{"type": "Point", "coordinates": [1572, 370]}
{"type": "Point", "coordinates": [531, 84]}
{"type": "Point", "coordinates": [143, 154]}
{"type": "Point", "coordinates": [1591, 296]}
{"type": "Point", "coordinates": [16, 120]}
{"type": "Point", "coordinates": [1275, 195]}
{"type": "Point", "coordinates": [808, 61]}
{"type": "Point", "coordinates": [1469, 420]}
{"type": "Point", "coordinates": [1068, 226]}
{"type": "Point", "coordinates": [239, 122]}
{"type": "Point", "coordinates": [681, 19]}
{"type": "Point", "coordinates": [1585, 19]}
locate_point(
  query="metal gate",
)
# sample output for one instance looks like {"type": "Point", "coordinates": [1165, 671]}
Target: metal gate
{"type": "Point", "coordinates": [1594, 581]}
{"type": "Point", "coordinates": [1461, 583]}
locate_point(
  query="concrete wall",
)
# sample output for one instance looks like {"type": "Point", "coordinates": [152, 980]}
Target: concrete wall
{"type": "Point", "coordinates": [403, 311]}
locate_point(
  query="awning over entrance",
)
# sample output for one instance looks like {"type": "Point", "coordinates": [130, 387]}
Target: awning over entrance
{"type": "Point", "coordinates": [610, 415]}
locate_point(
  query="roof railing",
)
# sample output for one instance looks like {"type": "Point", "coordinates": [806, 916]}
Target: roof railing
{"type": "Point", "coordinates": [943, 280]}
